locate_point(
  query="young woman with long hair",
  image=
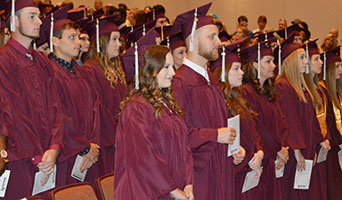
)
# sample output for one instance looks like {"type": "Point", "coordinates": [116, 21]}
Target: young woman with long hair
{"type": "Point", "coordinates": [231, 80]}
{"type": "Point", "coordinates": [153, 159]}
{"type": "Point", "coordinates": [331, 85]}
{"type": "Point", "coordinates": [259, 91]}
{"type": "Point", "coordinates": [297, 101]}
{"type": "Point", "coordinates": [106, 76]}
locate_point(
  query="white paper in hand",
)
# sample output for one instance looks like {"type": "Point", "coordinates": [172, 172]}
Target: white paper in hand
{"type": "Point", "coordinates": [76, 173]}
{"type": "Point", "coordinates": [4, 178]}
{"type": "Point", "coordinates": [302, 178]}
{"type": "Point", "coordinates": [50, 184]}
{"type": "Point", "coordinates": [322, 156]}
{"type": "Point", "coordinates": [279, 172]}
{"type": "Point", "coordinates": [234, 122]}
{"type": "Point", "coordinates": [340, 158]}
{"type": "Point", "coordinates": [250, 181]}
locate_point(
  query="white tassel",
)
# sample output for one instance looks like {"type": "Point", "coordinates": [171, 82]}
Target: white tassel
{"type": "Point", "coordinates": [266, 37]}
{"type": "Point", "coordinates": [13, 16]}
{"type": "Point", "coordinates": [144, 30]}
{"type": "Point", "coordinates": [279, 58]}
{"type": "Point", "coordinates": [259, 57]}
{"type": "Point", "coordinates": [307, 71]}
{"type": "Point", "coordinates": [51, 32]}
{"type": "Point", "coordinates": [136, 56]}
{"type": "Point", "coordinates": [325, 66]}
{"type": "Point", "coordinates": [223, 72]}
{"type": "Point", "coordinates": [154, 14]}
{"type": "Point", "coordinates": [168, 42]}
{"type": "Point", "coordinates": [34, 45]}
{"type": "Point", "coordinates": [97, 36]}
{"type": "Point", "coordinates": [285, 33]}
{"type": "Point", "coordinates": [193, 29]}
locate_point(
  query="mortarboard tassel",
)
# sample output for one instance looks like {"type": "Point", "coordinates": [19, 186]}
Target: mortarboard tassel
{"type": "Point", "coordinates": [324, 65]}
{"type": "Point", "coordinates": [193, 29]}
{"type": "Point", "coordinates": [13, 16]}
{"type": "Point", "coordinates": [223, 72]}
{"type": "Point", "coordinates": [307, 71]}
{"type": "Point", "coordinates": [266, 37]}
{"type": "Point", "coordinates": [144, 30]}
{"type": "Point", "coordinates": [97, 36]}
{"type": "Point", "coordinates": [168, 42]}
{"type": "Point", "coordinates": [51, 32]}
{"type": "Point", "coordinates": [162, 33]}
{"type": "Point", "coordinates": [285, 33]}
{"type": "Point", "coordinates": [279, 58]}
{"type": "Point", "coordinates": [136, 59]}
{"type": "Point", "coordinates": [154, 14]}
{"type": "Point", "coordinates": [34, 45]}
{"type": "Point", "coordinates": [259, 60]}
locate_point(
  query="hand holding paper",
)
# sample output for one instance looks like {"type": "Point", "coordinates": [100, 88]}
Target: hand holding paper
{"type": "Point", "coordinates": [226, 135]}
{"type": "Point", "coordinates": [300, 160]}
{"type": "Point", "coordinates": [255, 162]}
{"type": "Point", "coordinates": [238, 158]}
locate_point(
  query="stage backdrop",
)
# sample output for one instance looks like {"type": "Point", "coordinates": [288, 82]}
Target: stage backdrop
{"type": "Point", "coordinates": [320, 15]}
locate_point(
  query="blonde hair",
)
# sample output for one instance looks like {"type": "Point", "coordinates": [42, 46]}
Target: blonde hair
{"type": "Point", "coordinates": [333, 86]}
{"type": "Point", "coordinates": [290, 71]}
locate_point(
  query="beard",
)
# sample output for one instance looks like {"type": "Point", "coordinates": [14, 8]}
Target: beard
{"type": "Point", "coordinates": [33, 37]}
{"type": "Point", "coordinates": [211, 55]}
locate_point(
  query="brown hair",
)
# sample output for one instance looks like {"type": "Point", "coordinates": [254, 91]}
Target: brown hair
{"type": "Point", "coordinates": [112, 68]}
{"type": "Point", "coordinates": [58, 34]}
{"type": "Point", "coordinates": [251, 77]}
{"type": "Point", "coordinates": [236, 104]}
{"type": "Point", "coordinates": [154, 61]}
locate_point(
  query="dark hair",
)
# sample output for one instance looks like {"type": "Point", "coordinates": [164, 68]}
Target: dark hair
{"type": "Point", "coordinates": [159, 6]}
{"type": "Point", "coordinates": [69, 4]}
{"type": "Point", "coordinates": [122, 6]}
{"type": "Point", "coordinates": [118, 21]}
{"type": "Point", "coordinates": [235, 103]}
{"type": "Point", "coordinates": [262, 18]}
{"type": "Point", "coordinates": [109, 10]}
{"type": "Point", "coordinates": [154, 61]}
{"type": "Point", "coordinates": [242, 18]}
{"type": "Point", "coordinates": [251, 77]}
{"type": "Point", "coordinates": [140, 18]}
{"type": "Point", "coordinates": [58, 34]}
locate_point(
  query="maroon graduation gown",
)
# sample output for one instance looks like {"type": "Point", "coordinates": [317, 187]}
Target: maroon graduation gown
{"type": "Point", "coordinates": [272, 129]}
{"type": "Point", "coordinates": [36, 119]}
{"type": "Point", "coordinates": [334, 171]}
{"type": "Point", "coordinates": [250, 141]}
{"type": "Point", "coordinates": [205, 112]}
{"type": "Point", "coordinates": [110, 97]}
{"type": "Point", "coordinates": [81, 124]}
{"type": "Point", "coordinates": [152, 155]}
{"type": "Point", "coordinates": [303, 133]}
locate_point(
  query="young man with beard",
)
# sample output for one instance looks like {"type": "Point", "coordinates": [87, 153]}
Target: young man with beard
{"type": "Point", "coordinates": [198, 93]}
{"type": "Point", "coordinates": [32, 135]}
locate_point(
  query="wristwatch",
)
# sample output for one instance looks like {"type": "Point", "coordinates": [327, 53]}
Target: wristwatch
{"type": "Point", "coordinates": [3, 154]}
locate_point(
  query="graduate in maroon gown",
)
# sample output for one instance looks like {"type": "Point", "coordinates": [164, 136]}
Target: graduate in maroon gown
{"type": "Point", "coordinates": [79, 103]}
{"type": "Point", "coordinates": [331, 84]}
{"type": "Point", "coordinates": [34, 134]}
{"type": "Point", "coordinates": [199, 95]}
{"type": "Point", "coordinates": [106, 76]}
{"type": "Point", "coordinates": [296, 101]}
{"type": "Point", "coordinates": [259, 91]}
{"type": "Point", "coordinates": [153, 159]}
{"type": "Point", "coordinates": [230, 78]}
{"type": "Point", "coordinates": [314, 69]}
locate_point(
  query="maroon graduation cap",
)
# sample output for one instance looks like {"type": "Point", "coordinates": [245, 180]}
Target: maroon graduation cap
{"type": "Point", "coordinates": [285, 49]}
{"type": "Point", "coordinates": [229, 54]}
{"type": "Point", "coordinates": [192, 20]}
{"type": "Point", "coordinates": [163, 32]}
{"type": "Point", "coordinates": [15, 5]}
{"type": "Point", "coordinates": [133, 57]}
{"type": "Point", "coordinates": [155, 14]}
{"type": "Point", "coordinates": [174, 41]}
{"type": "Point", "coordinates": [57, 19]}
{"type": "Point", "coordinates": [285, 33]}
{"type": "Point", "coordinates": [77, 14]}
{"type": "Point", "coordinates": [224, 36]}
{"type": "Point", "coordinates": [139, 32]}
{"type": "Point", "coordinates": [329, 57]}
{"type": "Point", "coordinates": [311, 48]}
{"type": "Point", "coordinates": [100, 27]}
{"type": "Point", "coordinates": [85, 25]}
